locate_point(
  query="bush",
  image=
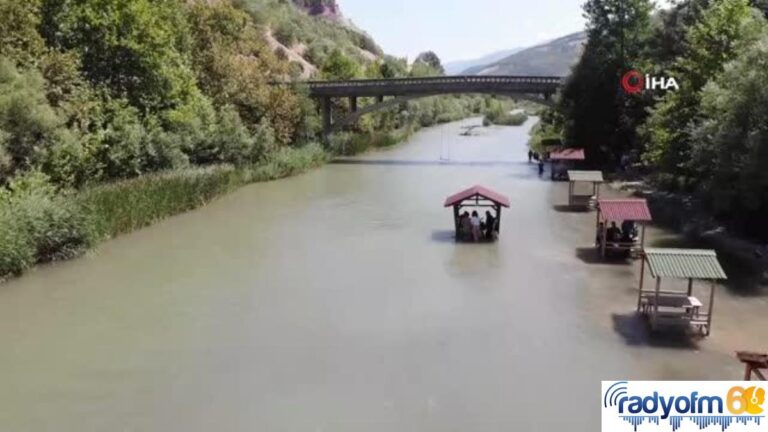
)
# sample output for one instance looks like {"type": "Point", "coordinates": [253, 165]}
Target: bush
{"type": "Point", "coordinates": [38, 225]}
{"type": "Point", "coordinates": [290, 161]}
{"type": "Point", "coordinates": [28, 121]}
{"type": "Point", "coordinates": [499, 114]}
{"type": "Point", "coordinates": [123, 144]}
{"type": "Point", "coordinates": [287, 34]}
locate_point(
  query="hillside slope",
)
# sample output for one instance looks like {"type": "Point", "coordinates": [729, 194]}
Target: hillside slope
{"type": "Point", "coordinates": [553, 58]}
{"type": "Point", "coordinates": [459, 66]}
{"type": "Point", "coordinates": [307, 32]}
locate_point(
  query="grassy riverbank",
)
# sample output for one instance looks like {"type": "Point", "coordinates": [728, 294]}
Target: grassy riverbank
{"type": "Point", "coordinates": [40, 224]}
{"type": "Point", "coordinates": [744, 259]}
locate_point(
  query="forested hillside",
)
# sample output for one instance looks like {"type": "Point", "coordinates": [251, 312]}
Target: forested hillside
{"type": "Point", "coordinates": [553, 58]}
{"type": "Point", "coordinates": [115, 113]}
{"type": "Point", "coordinates": [708, 140]}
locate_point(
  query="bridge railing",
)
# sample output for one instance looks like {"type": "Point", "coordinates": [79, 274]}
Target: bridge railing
{"type": "Point", "coordinates": [470, 79]}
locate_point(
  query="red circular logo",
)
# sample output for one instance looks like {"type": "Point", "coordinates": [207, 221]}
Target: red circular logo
{"type": "Point", "coordinates": [633, 82]}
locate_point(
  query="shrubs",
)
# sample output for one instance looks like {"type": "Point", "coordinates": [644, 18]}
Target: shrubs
{"type": "Point", "coordinates": [353, 143]}
{"type": "Point", "coordinates": [28, 124]}
{"type": "Point", "coordinates": [498, 114]}
{"type": "Point", "coordinates": [289, 161]}
{"type": "Point", "coordinates": [508, 119]}
{"type": "Point", "coordinates": [38, 225]}
{"type": "Point", "coordinates": [287, 34]}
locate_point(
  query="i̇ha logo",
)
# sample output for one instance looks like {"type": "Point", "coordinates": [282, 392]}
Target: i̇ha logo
{"type": "Point", "coordinates": [634, 82]}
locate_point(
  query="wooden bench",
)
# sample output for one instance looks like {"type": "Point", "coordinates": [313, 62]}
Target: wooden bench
{"type": "Point", "coordinates": [755, 363]}
{"type": "Point", "coordinates": [674, 309]}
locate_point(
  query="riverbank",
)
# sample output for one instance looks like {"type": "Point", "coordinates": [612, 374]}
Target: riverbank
{"type": "Point", "coordinates": [747, 259]}
{"type": "Point", "coordinates": [39, 224]}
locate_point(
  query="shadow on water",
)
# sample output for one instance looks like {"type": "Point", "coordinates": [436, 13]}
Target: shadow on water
{"type": "Point", "coordinates": [444, 236]}
{"type": "Point", "coordinates": [525, 175]}
{"type": "Point", "coordinates": [449, 236]}
{"type": "Point", "coordinates": [591, 255]}
{"type": "Point", "coordinates": [743, 280]}
{"type": "Point", "coordinates": [565, 208]}
{"type": "Point", "coordinates": [396, 162]}
{"type": "Point", "coordinates": [636, 331]}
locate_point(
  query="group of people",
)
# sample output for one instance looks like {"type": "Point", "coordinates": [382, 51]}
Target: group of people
{"type": "Point", "coordinates": [626, 234]}
{"type": "Point", "coordinates": [476, 229]}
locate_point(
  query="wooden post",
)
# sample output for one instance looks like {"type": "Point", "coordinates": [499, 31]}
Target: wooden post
{"type": "Point", "coordinates": [711, 306]}
{"type": "Point", "coordinates": [570, 193]}
{"type": "Point", "coordinates": [353, 103]}
{"type": "Point", "coordinates": [597, 219]}
{"type": "Point", "coordinates": [656, 302]}
{"type": "Point", "coordinates": [603, 240]}
{"type": "Point", "coordinates": [456, 224]}
{"type": "Point", "coordinates": [642, 238]}
{"type": "Point", "coordinates": [690, 286]}
{"type": "Point", "coordinates": [498, 218]}
{"type": "Point", "coordinates": [327, 116]}
{"type": "Point", "coordinates": [642, 282]}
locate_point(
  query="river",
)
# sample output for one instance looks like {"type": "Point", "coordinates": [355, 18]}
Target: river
{"type": "Point", "coordinates": [338, 301]}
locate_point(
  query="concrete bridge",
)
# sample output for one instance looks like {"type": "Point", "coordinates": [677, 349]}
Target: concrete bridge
{"type": "Point", "coordinates": [391, 92]}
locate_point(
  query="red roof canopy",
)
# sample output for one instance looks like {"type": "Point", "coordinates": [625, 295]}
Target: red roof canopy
{"type": "Point", "coordinates": [477, 191]}
{"type": "Point", "coordinates": [567, 154]}
{"type": "Point", "coordinates": [624, 209]}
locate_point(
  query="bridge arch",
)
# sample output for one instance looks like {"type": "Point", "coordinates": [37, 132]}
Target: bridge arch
{"type": "Point", "coordinates": [539, 89]}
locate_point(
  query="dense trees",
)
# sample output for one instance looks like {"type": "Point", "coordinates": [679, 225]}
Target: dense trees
{"type": "Point", "coordinates": [431, 61]}
{"type": "Point", "coordinates": [106, 89]}
{"type": "Point", "coordinates": [596, 111]}
{"type": "Point", "coordinates": [708, 138]}
{"type": "Point", "coordinates": [730, 144]}
{"type": "Point", "coordinates": [718, 35]}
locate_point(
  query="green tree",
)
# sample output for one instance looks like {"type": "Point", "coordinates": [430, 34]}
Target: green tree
{"type": "Point", "coordinates": [598, 115]}
{"type": "Point", "coordinates": [724, 29]}
{"type": "Point", "coordinates": [393, 67]}
{"type": "Point", "coordinates": [28, 124]}
{"type": "Point", "coordinates": [340, 67]}
{"type": "Point", "coordinates": [19, 37]}
{"type": "Point", "coordinates": [730, 143]}
{"type": "Point", "coordinates": [135, 48]}
{"type": "Point", "coordinates": [430, 59]}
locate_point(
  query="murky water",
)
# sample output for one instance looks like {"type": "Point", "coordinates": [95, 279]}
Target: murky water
{"type": "Point", "coordinates": [338, 301]}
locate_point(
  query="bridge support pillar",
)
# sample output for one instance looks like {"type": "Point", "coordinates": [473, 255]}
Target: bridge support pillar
{"type": "Point", "coordinates": [327, 115]}
{"type": "Point", "coordinates": [380, 99]}
{"type": "Point", "coordinates": [353, 103]}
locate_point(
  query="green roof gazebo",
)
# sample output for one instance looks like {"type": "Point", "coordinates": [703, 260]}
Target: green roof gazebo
{"type": "Point", "coordinates": [595, 178]}
{"type": "Point", "coordinates": [665, 308]}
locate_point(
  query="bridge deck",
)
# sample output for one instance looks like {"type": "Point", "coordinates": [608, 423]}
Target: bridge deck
{"type": "Point", "coordinates": [436, 85]}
